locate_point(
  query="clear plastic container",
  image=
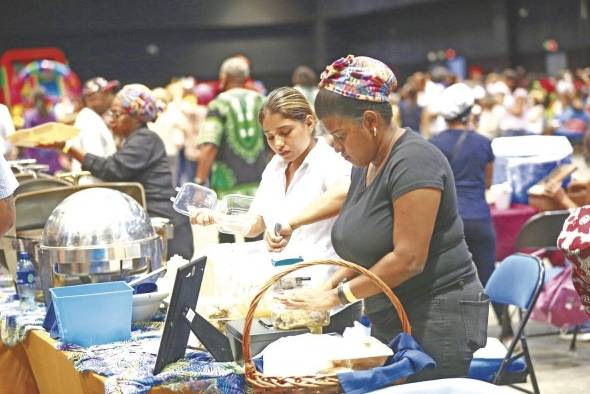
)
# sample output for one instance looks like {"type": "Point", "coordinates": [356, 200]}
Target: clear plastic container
{"type": "Point", "coordinates": [233, 216]}
{"type": "Point", "coordinates": [286, 319]}
{"type": "Point", "coordinates": [191, 197]}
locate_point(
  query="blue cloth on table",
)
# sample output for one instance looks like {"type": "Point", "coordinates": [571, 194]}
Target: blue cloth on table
{"type": "Point", "coordinates": [197, 372]}
{"type": "Point", "coordinates": [407, 360]}
{"type": "Point", "coordinates": [128, 366]}
{"type": "Point", "coordinates": [14, 323]}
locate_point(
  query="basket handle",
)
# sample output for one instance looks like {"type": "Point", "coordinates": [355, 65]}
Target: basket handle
{"type": "Point", "coordinates": [342, 263]}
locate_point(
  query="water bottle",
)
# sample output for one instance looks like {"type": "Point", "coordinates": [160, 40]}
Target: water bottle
{"type": "Point", "coordinates": [25, 281]}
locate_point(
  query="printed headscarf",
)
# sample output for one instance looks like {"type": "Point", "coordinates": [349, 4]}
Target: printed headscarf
{"type": "Point", "coordinates": [139, 102]}
{"type": "Point", "coordinates": [359, 77]}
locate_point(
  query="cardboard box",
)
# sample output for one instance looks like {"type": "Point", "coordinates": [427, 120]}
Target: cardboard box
{"type": "Point", "coordinates": [540, 199]}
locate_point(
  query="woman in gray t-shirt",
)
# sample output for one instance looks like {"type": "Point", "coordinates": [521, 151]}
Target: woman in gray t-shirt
{"type": "Point", "coordinates": [399, 220]}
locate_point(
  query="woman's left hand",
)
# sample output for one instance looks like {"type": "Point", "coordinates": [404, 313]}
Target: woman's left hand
{"type": "Point", "coordinates": [311, 299]}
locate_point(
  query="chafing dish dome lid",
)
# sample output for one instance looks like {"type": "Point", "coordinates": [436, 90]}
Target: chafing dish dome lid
{"type": "Point", "coordinates": [97, 218]}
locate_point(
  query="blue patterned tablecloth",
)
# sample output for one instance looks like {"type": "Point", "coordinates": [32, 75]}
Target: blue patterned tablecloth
{"type": "Point", "coordinates": [14, 323]}
{"type": "Point", "coordinates": [128, 365]}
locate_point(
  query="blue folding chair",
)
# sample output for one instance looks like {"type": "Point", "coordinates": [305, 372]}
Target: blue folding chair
{"type": "Point", "coordinates": [517, 281]}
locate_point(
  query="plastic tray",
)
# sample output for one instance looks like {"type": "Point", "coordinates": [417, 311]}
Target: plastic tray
{"type": "Point", "coordinates": [47, 133]}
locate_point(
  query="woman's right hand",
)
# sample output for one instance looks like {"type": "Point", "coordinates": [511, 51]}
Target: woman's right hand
{"type": "Point", "coordinates": [202, 216]}
{"type": "Point", "coordinates": [277, 242]}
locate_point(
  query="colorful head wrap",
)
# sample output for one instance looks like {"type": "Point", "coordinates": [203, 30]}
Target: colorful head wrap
{"type": "Point", "coordinates": [98, 84]}
{"type": "Point", "coordinates": [359, 77]}
{"type": "Point", "coordinates": [139, 102]}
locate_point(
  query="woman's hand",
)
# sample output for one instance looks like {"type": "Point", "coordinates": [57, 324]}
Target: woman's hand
{"type": "Point", "coordinates": [326, 286]}
{"type": "Point", "coordinates": [310, 299]}
{"type": "Point", "coordinates": [558, 194]}
{"type": "Point", "coordinates": [202, 216]}
{"type": "Point", "coordinates": [555, 191]}
{"type": "Point", "coordinates": [277, 242]}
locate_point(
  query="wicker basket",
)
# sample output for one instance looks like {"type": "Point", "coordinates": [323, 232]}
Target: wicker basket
{"type": "Point", "coordinates": [309, 384]}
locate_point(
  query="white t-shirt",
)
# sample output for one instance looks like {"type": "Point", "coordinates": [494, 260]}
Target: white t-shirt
{"type": "Point", "coordinates": [6, 128]}
{"type": "Point", "coordinates": [431, 99]}
{"type": "Point", "coordinates": [8, 182]}
{"type": "Point", "coordinates": [168, 127]}
{"type": "Point", "coordinates": [510, 121]}
{"type": "Point", "coordinates": [95, 137]}
{"type": "Point", "coordinates": [322, 169]}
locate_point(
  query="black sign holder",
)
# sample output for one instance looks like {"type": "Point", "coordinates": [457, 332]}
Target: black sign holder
{"type": "Point", "coordinates": [182, 319]}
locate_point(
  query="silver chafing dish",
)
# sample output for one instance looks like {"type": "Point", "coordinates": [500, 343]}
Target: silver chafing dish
{"type": "Point", "coordinates": [97, 234]}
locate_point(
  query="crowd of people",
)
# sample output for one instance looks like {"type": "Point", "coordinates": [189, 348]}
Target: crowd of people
{"type": "Point", "coordinates": [342, 160]}
{"type": "Point", "coordinates": [512, 102]}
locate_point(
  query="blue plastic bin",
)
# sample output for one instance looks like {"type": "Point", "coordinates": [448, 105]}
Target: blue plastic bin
{"type": "Point", "coordinates": [93, 314]}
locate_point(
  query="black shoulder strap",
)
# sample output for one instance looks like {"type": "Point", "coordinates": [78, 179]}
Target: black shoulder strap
{"type": "Point", "coordinates": [458, 146]}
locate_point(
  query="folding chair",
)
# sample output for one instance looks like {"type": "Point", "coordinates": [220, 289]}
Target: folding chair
{"type": "Point", "coordinates": [36, 184]}
{"type": "Point", "coordinates": [540, 233]}
{"type": "Point", "coordinates": [517, 281]}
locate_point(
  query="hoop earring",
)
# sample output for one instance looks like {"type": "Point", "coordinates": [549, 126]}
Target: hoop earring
{"type": "Point", "coordinates": [374, 131]}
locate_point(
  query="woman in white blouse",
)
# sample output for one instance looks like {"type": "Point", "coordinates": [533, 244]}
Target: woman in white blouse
{"type": "Point", "coordinates": [304, 171]}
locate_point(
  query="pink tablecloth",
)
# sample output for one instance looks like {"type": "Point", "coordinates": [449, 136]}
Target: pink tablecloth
{"type": "Point", "coordinates": [507, 224]}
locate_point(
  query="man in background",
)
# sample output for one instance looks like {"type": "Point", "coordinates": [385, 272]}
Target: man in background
{"type": "Point", "coordinates": [305, 80]}
{"type": "Point", "coordinates": [95, 137]}
{"type": "Point", "coordinates": [232, 147]}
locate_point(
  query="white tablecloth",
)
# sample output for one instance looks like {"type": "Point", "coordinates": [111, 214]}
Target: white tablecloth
{"type": "Point", "coordinates": [446, 386]}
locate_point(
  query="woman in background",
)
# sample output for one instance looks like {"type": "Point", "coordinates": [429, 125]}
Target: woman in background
{"type": "Point", "coordinates": [472, 161]}
{"type": "Point", "coordinates": [141, 158]}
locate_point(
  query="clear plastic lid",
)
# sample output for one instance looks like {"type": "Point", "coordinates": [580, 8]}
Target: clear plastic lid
{"type": "Point", "coordinates": [191, 197]}
{"type": "Point", "coordinates": [233, 214]}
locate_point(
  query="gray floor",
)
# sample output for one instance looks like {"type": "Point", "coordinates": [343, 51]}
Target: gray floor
{"type": "Point", "coordinates": [558, 369]}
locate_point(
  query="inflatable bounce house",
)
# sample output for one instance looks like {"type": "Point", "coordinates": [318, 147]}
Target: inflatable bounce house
{"type": "Point", "coordinates": [22, 71]}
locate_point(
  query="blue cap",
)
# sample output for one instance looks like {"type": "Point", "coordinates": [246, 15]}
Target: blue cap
{"type": "Point", "coordinates": [365, 321]}
{"type": "Point", "coordinates": [23, 255]}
